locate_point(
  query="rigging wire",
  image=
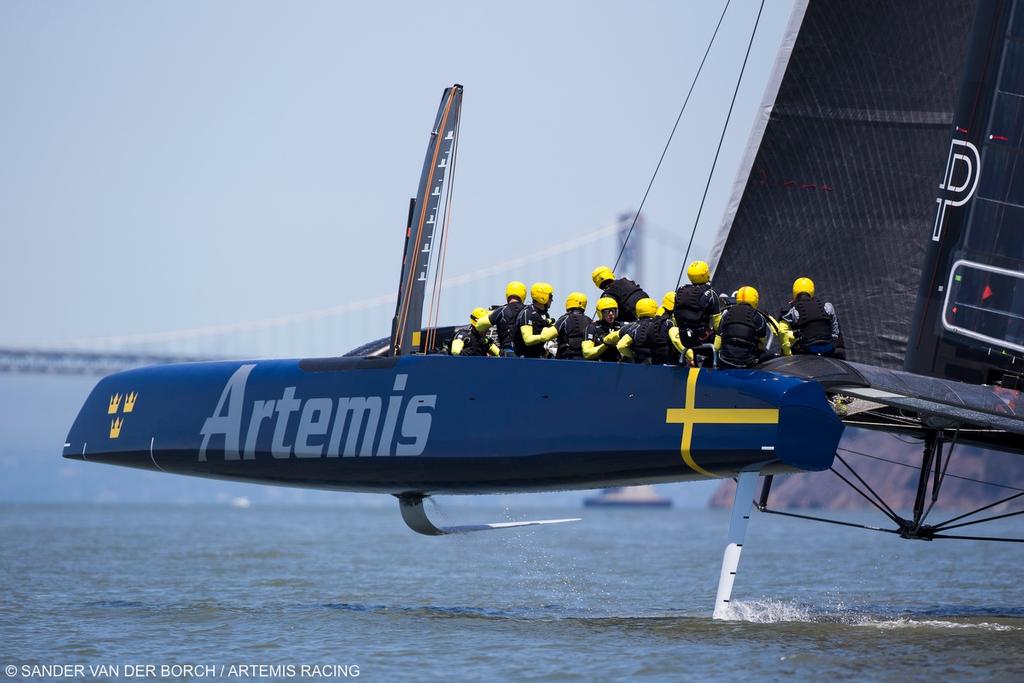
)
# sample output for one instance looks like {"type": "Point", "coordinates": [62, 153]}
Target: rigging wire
{"type": "Point", "coordinates": [721, 139]}
{"type": "Point", "coordinates": [879, 504]}
{"type": "Point", "coordinates": [916, 467]}
{"type": "Point", "coordinates": [670, 135]}
{"type": "Point", "coordinates": [903, 525]}
{"type": "Point", "coordinates": [942, 526]}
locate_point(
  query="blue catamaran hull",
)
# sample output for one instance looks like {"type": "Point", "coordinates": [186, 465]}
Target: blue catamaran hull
{"type": "Point", "coordinates": [437, 424]}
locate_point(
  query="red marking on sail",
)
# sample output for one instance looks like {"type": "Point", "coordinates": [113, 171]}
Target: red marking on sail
{"type": "Point", "coordinates": [1000, 138]}
{"type": "Point", "coordinates": [986, 293]}
{"type": "Point", "coordinates": [961, 130]}
{"type": "Point", "coordinates": [809, 186]}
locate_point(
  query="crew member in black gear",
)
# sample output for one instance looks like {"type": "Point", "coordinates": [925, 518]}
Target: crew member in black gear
{"type": "Point", "coordinates": [572, 327]}
{"type": "Point", "coordinates": [625, 292]}
{"type": "Point", "coordinates": [696, 306]}
{"type": "Point", "coordinates": [648, 340]}
{"type": "Point", "coordinates": [534, 327]}
{"type": "Point", "coordinates": [809, 325]}
{"type": "Point", "coordinates": [742, 332]}
{"type": "Point", "coordinates": [469, 342]}
{"type": "Point", "coordinates": [603, 333]}
{"type": "Point", "coordinates": [504, 317]}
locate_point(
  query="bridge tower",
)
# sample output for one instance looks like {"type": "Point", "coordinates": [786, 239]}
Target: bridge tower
{"type": "Point", "coordinates": [631, 262]}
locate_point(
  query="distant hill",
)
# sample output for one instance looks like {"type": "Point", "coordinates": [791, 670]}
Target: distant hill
{"type": "Point", "coordinates": [896, 484]}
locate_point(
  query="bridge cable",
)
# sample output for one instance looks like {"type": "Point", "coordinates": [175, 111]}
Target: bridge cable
{"type": "Point", "coordinates": [670, 135]}
{"type": "Point", "coordinates": [721, 139]}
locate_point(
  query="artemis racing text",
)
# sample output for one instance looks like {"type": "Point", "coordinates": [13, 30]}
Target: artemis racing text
{"type": "Point", "coordinates": [327, 427]}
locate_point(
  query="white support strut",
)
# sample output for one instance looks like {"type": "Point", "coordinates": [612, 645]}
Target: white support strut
{"type": "Point", "coordinates": [742, 506]}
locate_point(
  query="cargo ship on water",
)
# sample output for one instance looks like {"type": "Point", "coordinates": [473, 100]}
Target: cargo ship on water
{"type": "Point", "coordinates": [628, 497]}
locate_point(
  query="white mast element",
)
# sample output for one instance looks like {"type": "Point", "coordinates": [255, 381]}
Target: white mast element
{"type": "Point", "coordinates": [742, 505]}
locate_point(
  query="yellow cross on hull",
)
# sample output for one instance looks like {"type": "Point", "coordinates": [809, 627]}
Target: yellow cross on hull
{"type": "Point", "coordinates": [690, 415]}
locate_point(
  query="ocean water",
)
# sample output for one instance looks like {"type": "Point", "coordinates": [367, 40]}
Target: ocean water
{"type": "Point", "coordinates": [334, 592]}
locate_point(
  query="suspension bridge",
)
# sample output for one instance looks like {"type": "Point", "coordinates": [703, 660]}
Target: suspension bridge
{"type": "Point", "coordinates": [653, 259]}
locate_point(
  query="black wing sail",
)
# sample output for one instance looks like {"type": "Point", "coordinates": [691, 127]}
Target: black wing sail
{"type": "Point", "coordinates": [424, 217]}
{"type": "Point", "coordinates": [841, 189]}
{"type": "Point", "coordinates": [969, 323]}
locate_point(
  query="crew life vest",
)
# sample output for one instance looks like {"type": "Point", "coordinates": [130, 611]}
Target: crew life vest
{"type": "Point", "coordinates": [813, 325]}
{"type": "Point", "coordinates": [473, 343]}
{"type": "Point", "coordinates": [626, 293]}
{"type": "Point", "coordinates": [537, 320]}
{"type": "Point", "coordinates": [651, 343]}
{"type": "Point", "coordinates": [506, 322]}
{"type": "Point", "coordinates": [740, 339]}
{"type": "Point", "coordinates": [597, 332]}
{"type": "Point", "coordinates": [692, 314]}
{"type": "Point", "coordinates": [572, 328]}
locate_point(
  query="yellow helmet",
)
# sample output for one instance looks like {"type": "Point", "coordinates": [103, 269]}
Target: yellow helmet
{"type": "Point", "coordinates": [516, 289]}
{"type": "Point", "coordinates": [478, 313]}
{"type": "Point", "coordinates": [646, 308]}
{"type": "Point", "coordinates": [803, 285]}
{"type": "Point", "coordinates": [575, 300]}
{"type": "Point", "coordinates": [748, 295]}
{"type": "Point", "coordinates": [541, 293]}
{"type": "Point", "coordinates": [601, 275]}
{"type": "Point", "coordinates": [669, 302]}
{"type": "Point", "coordinates": [699, 272]}
{"type": "Point", "coordinates": [606, 303]}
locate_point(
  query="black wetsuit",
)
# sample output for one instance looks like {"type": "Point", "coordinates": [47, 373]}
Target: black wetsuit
{"type": "Point", "coordinates": [626, 293]}
{"type": "Point", "coordinates": [538, 320]}
{"type": "Point", "coordinates": [742, 329]}
{"type": "Point", "coordinates": [504, 318]}
{"type": "Point", "coordinates": [473, 343]}
{"type": "Point", "coordinates": [694, 308]}
{"type": "Point", "coordinates": [596, 333]}
{"type": "Point", "coordinates": [815, 327]}
{"type": "Point", "coordinates": [651, 343]}
{"type": "Point", "coordinates": [572, 330]}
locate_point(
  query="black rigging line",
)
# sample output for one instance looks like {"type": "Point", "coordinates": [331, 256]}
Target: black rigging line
{"type": "Point", "coordinates": [916, 467]}
{"type": "Point", "coordinates": [721, 139]}
{"type": "Point", "coordinates": [980, 538]}
{"type": "Point", "coordinates": [932, 532]}
{"type": "Point", "coordinates": [826, 520]}
{"type": "Point", "coordinates": [941, 526]}
{"type": "Point", "coordinates": [669, 141]}
{"type": "Point", "coordinates": [891, 515]}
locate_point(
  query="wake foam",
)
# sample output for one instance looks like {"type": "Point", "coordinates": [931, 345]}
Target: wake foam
{"type": "Point", "coordinates": [935, 623]}
{"type": "Point", "coordinates": [769, 611]}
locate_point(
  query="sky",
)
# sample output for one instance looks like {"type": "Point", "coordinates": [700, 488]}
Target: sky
{"type": "Point", "coordinates": [171, 165]}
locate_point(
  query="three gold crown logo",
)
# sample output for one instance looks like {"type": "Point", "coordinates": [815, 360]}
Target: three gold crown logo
{"type": "Point", "coordinates": [115, 405]}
